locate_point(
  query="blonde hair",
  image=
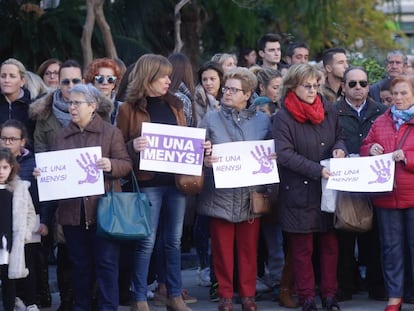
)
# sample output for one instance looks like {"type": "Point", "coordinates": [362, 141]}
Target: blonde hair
{"type": "Point", "coordinates": [247, 78]}
{"type": "Point", "coordinates": [35, 85]}
{"type": "Point", "coordinates": [296, 74]}
{"type": "Point", "coordinates": [18, 64]}
{"type": "Point", "coordinates": [148, 69]}
{"type": "Point", "coordinates": [221, 58]}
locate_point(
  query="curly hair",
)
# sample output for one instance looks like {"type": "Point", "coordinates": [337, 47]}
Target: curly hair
{"type": "Point", "coordinates": [93, 69]}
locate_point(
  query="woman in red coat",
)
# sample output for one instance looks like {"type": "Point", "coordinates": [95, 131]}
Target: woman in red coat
{"type": "Point", "coordinates": [393, 133]}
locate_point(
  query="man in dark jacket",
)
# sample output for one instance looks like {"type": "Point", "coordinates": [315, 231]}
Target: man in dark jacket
{"type": "Point", "coordinates": [357, 112]}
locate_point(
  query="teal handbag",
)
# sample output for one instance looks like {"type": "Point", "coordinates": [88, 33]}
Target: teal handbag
{"type": "Point", "coordinates": [124, 215]}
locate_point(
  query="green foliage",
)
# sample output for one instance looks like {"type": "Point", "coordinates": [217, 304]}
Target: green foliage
{"type": "Point", "coordinates": [376, 70]}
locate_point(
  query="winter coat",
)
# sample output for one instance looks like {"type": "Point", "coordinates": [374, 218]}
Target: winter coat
{"type": "Point", "coordinates": [383, 132]}
{"type": "Point", "coordinates": [18, 110]}
{"type": "Point", "coordinates": [299, 148]}
{"type": "Point", "coordinates": [222, 126]}
{"type": "Point", "coordinates": [355, 128]}
{"type": "Point", "coordinates": [47, 125]}
{"type": "Point", "coordinates": [97, 133]}
{"type": "Point", "coordinates": [24, 219]}
{"type": "Point", "coordinates": [130, 119]}
{"type": "Point", "coordinates": [203, 103]}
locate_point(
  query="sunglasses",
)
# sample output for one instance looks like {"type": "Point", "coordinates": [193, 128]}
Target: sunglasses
{"type": "Point", "coordinates": [68, 81]}
{"type": "Point", "coordinates": [353, 83]}
{"type": "Point", "coordinates": [101, 79]}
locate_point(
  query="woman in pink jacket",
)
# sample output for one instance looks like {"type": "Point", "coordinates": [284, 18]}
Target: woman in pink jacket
{"type": "Point", "coordinates": [393, 133]}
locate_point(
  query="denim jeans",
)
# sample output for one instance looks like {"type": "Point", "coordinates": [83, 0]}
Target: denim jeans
{"type": "Point", "coordinates": [167, 212]}
{"type": "Point", "coordinates": [93, 257]}
{"type": "Point", "coordinates": [272, 234]}
{"type": "Point", "coordinates": [396, 237]}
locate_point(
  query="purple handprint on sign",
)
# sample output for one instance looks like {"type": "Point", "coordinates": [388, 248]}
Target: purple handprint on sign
{"type": "Point", "coordinates": [90, 168]}
{"type": "Point", "coordinates": [382, 170]}
{"type": "Point", "coordinates": [262, 157]}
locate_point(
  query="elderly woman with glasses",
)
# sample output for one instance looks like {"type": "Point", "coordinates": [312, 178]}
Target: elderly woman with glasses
{"type": "Point", "coordinates": [104, 74]}
{"type": "Point", "coordinates": [306, 130]}
{"type": "Point", "coordinates": [91, 256]}
{"type": "Point", "coordinates": [232, 227]}
{"type": "Point", "coordinates": [51, 114]}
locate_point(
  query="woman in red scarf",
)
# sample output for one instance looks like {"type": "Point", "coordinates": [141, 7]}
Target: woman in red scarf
{"type": "Point", "coordinates": [306, 131]}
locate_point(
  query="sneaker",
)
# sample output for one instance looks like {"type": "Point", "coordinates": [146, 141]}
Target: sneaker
{"type": "Point", "coordinates": [203, 277]}
{"type": "Point", "coordinates": [32, 308]}
{"type": "Point", "coordinates": [187, 298]}
{"type": "Point", "coordinates": [19, 305]}
{"type": "Point", "coordinates": [213, 292]}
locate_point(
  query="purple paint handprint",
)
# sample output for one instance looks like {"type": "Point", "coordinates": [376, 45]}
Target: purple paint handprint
{"type": "Point", "coordinates": [382, 170]}
{"type": "Point", "coordinates": [89, 166]}
{"type": "Point", "coordinates": [262, 157]}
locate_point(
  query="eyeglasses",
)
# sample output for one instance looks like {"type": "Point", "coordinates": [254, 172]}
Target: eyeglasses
{"type": "Point", "coordinates": [9, 139]}
{"type": "Point", "coordinates": [76, 103]}
{"type": "Point", "coordinates": [232, 90]}
{"type": "Point", "coordinates": [68, 81]}
{"type": "Point", "coordinates": [394, 62]}
{"type": "Point", "coordinates": [101, 79]}
{"type": "Point", "coordinates": [51, 73]}
{"type": "Point", "coordinates": [309, 87]}
{"type": "Point", "coordinates": [353, 83]}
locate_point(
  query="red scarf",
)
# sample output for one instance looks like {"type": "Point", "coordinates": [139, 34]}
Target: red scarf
{"type": "Point", "coordinates": [302, 111]}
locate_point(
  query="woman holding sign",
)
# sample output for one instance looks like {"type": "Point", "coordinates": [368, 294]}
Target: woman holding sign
{"type": "Point", "coordinates": [91, 256]}
{"type": "Point", "coordinates": [148, 100]}
{"type": "Point", "coordinates": [232, 226]}
{"type": "Point", "coordinates": [393, 133]}
{"type": "Point", "coordinates": [306, 130]}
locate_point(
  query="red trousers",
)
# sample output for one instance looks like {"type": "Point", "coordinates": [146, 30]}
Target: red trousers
{"type": "Point", "coordinates": [301, 247]}
{"type": "Point", "coordinates": [224, 236]}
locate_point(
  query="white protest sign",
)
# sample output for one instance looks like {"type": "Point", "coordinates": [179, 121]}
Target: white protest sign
{"type": "Point", "coordinates": [172, 149]}
{"type": "Point", "coordinates": [362, 174]}
{"type": "Point", "coordinates": [244, 163]}
{"type": "Point", "coordinates": [69, 173]}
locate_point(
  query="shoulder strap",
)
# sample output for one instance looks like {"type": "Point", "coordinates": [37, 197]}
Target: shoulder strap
{"type": "Point", "coordinates": [403, 138]}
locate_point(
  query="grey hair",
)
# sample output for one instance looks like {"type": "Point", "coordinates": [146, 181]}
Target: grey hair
{"type": "Point", "coordinates": [91, 93]}
{"type": "Point", "coordinates": [398, 53]}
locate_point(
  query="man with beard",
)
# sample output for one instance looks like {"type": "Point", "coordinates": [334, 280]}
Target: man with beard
{"type": "Point", "coordinates": [356, 113]}
{"type": "Point", "coordinates": [335, 63]}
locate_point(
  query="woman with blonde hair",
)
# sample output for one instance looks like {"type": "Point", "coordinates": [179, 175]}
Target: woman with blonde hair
{"type": "Point", "coordinates": [148, 100]}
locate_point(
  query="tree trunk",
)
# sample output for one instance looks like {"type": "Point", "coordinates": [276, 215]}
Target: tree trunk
{"type": "Point", "coordinates": [95, 11]}
{"type": "Point", "coordinates": [177, 25]}
{"type": "Point", "coordinates": [105, 29]}
{"type": "Point", "coordinates": [87, 34]}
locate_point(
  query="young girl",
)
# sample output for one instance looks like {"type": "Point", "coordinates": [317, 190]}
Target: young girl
{"type": "Point", "coordinates": [17, 221]}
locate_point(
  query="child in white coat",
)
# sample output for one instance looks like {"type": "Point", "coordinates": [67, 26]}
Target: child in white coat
{"type": "Point", "coordinates": [17, 221]}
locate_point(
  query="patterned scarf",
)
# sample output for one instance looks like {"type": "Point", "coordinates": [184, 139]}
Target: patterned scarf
{"type": "Point", "coordinates": [61, 109]}
{"type": "Point", "coordinates": [302, 111]}
{"type": "Point", "coordinates": [401, 116]}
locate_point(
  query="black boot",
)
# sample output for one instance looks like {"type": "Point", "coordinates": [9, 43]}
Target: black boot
{"type": "Point", "coordinates": [44, 299]}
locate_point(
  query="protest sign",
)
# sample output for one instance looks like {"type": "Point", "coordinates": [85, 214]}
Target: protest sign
{"type": "Point", "coordinates": [69, 173]}
{"type": "Point", "coordinates": [244, 163]}
{"type": "Point", "coordinates": [172, 149]}
{"type": "Point", "coordinates": [362, 174]}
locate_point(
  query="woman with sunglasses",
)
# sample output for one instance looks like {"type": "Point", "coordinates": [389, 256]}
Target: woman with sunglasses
{"type": "Point", "coordinates": [306, 130]}
{"type": "Point", "coordinates": [393, 132]}
{"type": "Point", "coordinates": [104, 73]}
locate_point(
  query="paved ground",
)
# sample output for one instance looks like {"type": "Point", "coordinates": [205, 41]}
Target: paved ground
{"type": "Point", "coordinates": [359, 303]}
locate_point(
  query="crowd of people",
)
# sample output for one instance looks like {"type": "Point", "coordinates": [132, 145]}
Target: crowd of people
{"type": "Point", "coordinates": [312, 112]}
